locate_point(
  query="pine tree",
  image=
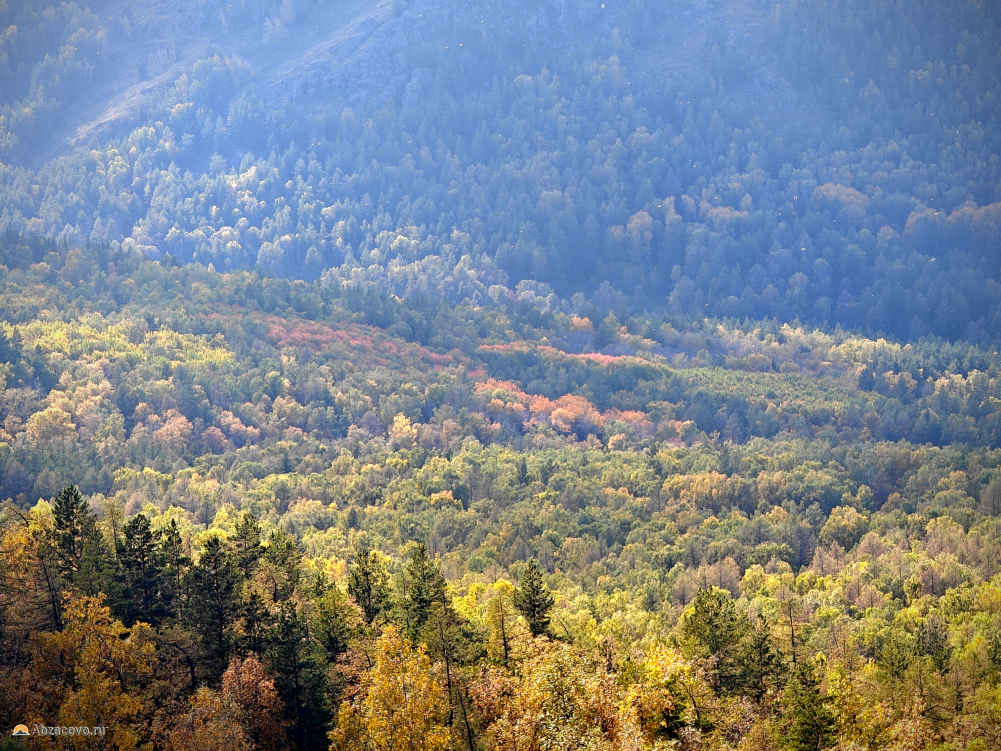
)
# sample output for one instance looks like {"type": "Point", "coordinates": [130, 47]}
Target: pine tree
{"type": "Point", "coordinates": [368, 583]}
{"type": "Point", "coordinates": [279, 565]}
{"type": "Point", "coordinates": [81, 554]}
{"type": "Point", "coordinates": [522, 471]}
{"type": "Point", "coordinates": [759, 662]}
{"type": "Point", "coordinates": [808, 723]}
{"type": "Point", "coordinates": [714, 629]}
{"type": "Point", "coordinates": [534, 600]}
{"type": "Point", "coordinates": [335, 618]}
{"type": "Point", "coordinates": [453, 642]}
{"type": "Point", "coordinates": [298, 678]}
{"type": "Point", "coordinates": [175, 562]}
{"type": "Point", "coordinates": [211, 587]}
{"type": "Point", "coordinates": [140, 573]}
{"type": "Point", "coordinates": [74, 521]}
{"type": "Point", "coordinates": [246, 542]}
{"type": "Point", "coordinates": [257, 622]}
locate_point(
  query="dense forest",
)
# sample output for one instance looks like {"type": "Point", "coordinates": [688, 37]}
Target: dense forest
{"type": "Point", "coordinates": [265, 503]}
{"type": "Point", "coordinates": [411, 374]}
{"type": "Point", "coordinates": [836, 163]}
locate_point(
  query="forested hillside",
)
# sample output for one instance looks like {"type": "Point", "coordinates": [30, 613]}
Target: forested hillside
{"type": "Point", "coordinates": [420, 375]}
{"type": "Point", "coordinates": [301, 499]}
{"type": "Point", "coordinates": [836, 163]}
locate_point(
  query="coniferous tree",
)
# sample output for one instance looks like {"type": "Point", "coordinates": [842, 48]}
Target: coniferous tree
{"type": "Point", "coordinates": [334, 620]}
{"type": "Point", "coordinates": [714, 629]}
{"type": "Point", "coordinates": [501, 617]}
{"type": "Point", "coordinates": [257, 622]}
{"type": "Point", "coordinates": [246, 542]}
{"type": "Point", "coordinates": [452, 641]}
{"type": "Point", "coordinates": [534, 600]}
{"type": "Point", "coordinates": [73, 523]}
{"type": "Point", "coordinates": [759, 662]}
{"type": "Point", "coordinates": [298, 678]}
{"type": "Point", "coordinates": [422, 586]}
{"type": "Point", "coordinates": [211, 588]}
{"type": "Point", "coordinates": [175, 562]}
{"type": "Point", "coordinates": [368, 583]}
{"type": "Point", "coordinates": [81, 554]}
{"type": "Point", "coordinates": [808, 723]}
{"type": "Point", "coordinates": [140, 573]}
{"type": "Point", "coordinates": [279, 565]}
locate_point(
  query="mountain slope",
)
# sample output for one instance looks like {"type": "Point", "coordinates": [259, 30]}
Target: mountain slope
{"type": "Point", "coordinates": [837, 164]}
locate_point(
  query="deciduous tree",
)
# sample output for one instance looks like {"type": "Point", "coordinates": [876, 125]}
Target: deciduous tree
{"type": "Point", "coordinates": [403, 707]}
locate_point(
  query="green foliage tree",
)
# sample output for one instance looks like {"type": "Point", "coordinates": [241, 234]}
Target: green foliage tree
{"type": "Point", "coordinates": [279, 567]}
{"type": "Point", "coordinates": [422, 585]}
{"type": "Point", "coordinates": [141, 574]}
{"type": "Point", "coordinates": [368, 583]}
{"type": "Point", "coordinates": [211, 587]}
{"type": "Point", "coordinates": [246, 542]}
{"type": "Point", "coordinates": [170, 551]}
{"type": "Point", "coordinates": [335, 621]}
{"type": "Point", "coordinates": [81, 553]}
{"type": "Point", "coordinates": [714, 629]}
{"type": "Point", "coordinates": [298, 678]}
{"type": "Point", "coordinates": [808, 722]}
{"type": "Point", "coordinates": [759, 663]}
{"type": "Point", "coordinates": [534, 600]}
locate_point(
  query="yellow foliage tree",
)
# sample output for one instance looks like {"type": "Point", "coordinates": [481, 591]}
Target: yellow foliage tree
{"type": "Point", "coordinates": [92, 671]}
{"type": "Point", "coordinates": [561, 702]}
{"type": "Point", "coordinates": [209, 724]}
{"type": "Point", "coordinates": [403, 708]}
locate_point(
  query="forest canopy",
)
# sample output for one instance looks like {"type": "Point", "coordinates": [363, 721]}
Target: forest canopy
{"type": "Point", "coordinates": [834, 163]}
{"type": "Point", "coordinates": [381, 376]}
{"type": "Point", "coordinates": [284, 497]}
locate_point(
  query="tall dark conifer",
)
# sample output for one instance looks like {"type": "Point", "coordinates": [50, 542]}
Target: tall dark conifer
{"type": "Point", "coordinates": [81, 553]}
{"type": "Point", "coordinates": [713, 628]}
{"type": "Point", "coordinates": [759, 664]}
{"type": "Point", "coordinates": [175, 562]}
{"type": "Point", "coordinates": [368, 583]}
{"type": "Point", "coordinates": [808, 723]}
{"type": "Point", "coordinates": [298, 678]}
{"type": "Point", "coordinates": [140, 573]}
{"type": "Point", "coordinates": [534, 600]}
{"type": "Point", "coordinates": [246, 542]}
{"type": "Point", "coordinates": [422, 586]}
{"type": "Point", "coordinates": [212, 604]}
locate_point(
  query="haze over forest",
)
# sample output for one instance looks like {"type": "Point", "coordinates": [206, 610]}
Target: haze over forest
{"type": "Point", "coordinates": [401, 374]}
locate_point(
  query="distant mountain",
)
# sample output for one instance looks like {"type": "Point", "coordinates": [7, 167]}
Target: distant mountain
{"type": "Point", "coordinates": [836, 163]}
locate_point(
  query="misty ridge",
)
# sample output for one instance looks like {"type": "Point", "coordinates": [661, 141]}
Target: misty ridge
{"type": "Point", "coordinates": [428, 375]}
{"type": "Point", "coordinates": [834, 164]}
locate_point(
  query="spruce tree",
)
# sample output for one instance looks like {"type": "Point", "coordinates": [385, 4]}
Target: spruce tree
{"type": "Point", "coordinates": [534, 600]}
